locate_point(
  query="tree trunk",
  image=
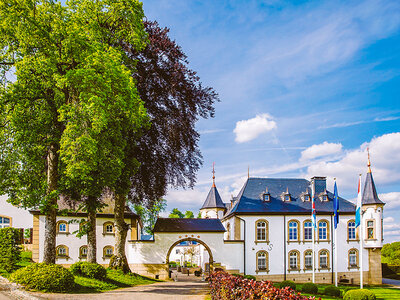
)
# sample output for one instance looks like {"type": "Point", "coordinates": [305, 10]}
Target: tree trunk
{"type": "Point", "coordinates": [91, 233]}
{"type": "Point", "coordinates": [119, 260]}
{"type": "Point", "coordinates": [50, 230]}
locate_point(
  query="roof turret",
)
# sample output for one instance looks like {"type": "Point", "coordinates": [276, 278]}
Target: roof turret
{"type": "Point", "coordinates": [370, 196]}
{"type": "Point", "coordinates": [213, 199]}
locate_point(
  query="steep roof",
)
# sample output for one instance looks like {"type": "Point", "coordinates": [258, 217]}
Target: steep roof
{"type": "Point", "coordinates": [370, 196]}
{"type": "Point", "coordinates": [213, 199]}
{"type": "Point", "coordinates": [249, 199]}
{"type": "Point", "coordinates": [188, 225]}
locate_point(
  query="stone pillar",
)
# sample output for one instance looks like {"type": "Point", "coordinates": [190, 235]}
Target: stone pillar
{"type": "Point", "coordinates": [375, 266]}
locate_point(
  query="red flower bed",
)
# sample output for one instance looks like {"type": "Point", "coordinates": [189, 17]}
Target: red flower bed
{"type": "Point", "coordinates": [225, 287]}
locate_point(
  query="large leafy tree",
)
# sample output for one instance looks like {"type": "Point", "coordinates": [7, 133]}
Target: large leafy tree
{"type": "Point", "coordinates": [65, 115]}
{"type": "Point", "coordinates": [149, 215]}
{"type": "Point", "coordinates": [168, 151]}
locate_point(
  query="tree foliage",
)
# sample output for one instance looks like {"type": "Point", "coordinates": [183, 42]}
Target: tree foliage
{"type": "Point", "coordinates": [391, 253]}
{"type": "Point", "coordinates": [149, 215]}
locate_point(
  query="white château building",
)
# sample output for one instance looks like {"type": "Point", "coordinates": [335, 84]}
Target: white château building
{"type": "Point", "coordinates": [265, 231]}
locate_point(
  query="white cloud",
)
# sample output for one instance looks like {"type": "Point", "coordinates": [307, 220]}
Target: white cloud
{"type": "Point", "coordinates": [385, 157]}
{"type": "Point", "coordinates": [321, 150]}
{"type": "Point", "coordinates": [392, 201]}
{"type": "Point", "coordinates": [388, 219]}
{"type": "Point", "coordinates": [247, 130]}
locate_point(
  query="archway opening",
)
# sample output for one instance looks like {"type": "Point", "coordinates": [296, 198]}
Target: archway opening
{"type": "Point", "coordinates": [189, 256]}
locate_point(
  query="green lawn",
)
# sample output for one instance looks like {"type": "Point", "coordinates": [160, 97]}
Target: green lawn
{"type": "Point", "coordinates": [115, 279]}
{"type": "Point", "coordinates": [381, 292]}
{"type": "Point", "coordinates": [26, 259]}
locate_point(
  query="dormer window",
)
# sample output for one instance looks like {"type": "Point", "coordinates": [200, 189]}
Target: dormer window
{"type": "Point", "coordinates": [287, 197]}
{"type": "Point", "coordinates": [266, 197]}
{"type": "Point", "coordinates": [324, 196]}
{"type": "Point", "coordinates": [306, 197]}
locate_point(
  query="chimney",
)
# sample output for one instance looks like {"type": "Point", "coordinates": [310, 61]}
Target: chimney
{"type": "Point", "coordinates": [318, 184]}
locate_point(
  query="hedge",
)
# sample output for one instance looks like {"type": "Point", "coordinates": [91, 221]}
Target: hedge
{"type": "Point", "coordinates": [287, 283]}
{"type": "Point", "coordinates": [90, 270]}
{"type": "Point", "coordinates": [359, 295]}
{"type": "Point", "coordinates": [310, 288]}
{"type": "Point", "coordinates": [44, 277]}
{"type": "Point", "coordinates": [10, 251]}
{"type": "Point", "coordinates": [332, 290]}
{"type": "Point", "coordinates": [229, 287]}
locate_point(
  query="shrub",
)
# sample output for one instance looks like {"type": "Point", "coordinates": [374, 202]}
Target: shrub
{"type": "Point", "coordinates": [90, 270]}
{"type": "Point", "coordinates": [226, 286]}
{"type": "Point", "coordinates": [10, 251]}
{"type": "Point", "coordinates": [250, 277]}
{"type": "Point", "coordinates": [359, 295]}
{"type": "Point", "coordinates": [310, 288]}
{"type": "Point", "coordinates": [287, 283]}
{"type": "Point", "coordinates": [44, 277]}
{"type": "Point", "coordinates": [332, 290]}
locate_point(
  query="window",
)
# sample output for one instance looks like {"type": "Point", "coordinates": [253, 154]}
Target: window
{"type": "Point", "coordinates": [308, 259]}
{"type": "Point", "coordinates": [351, 230]}
{"type": "Point", "coordinates": [266, 197]}
{"type": "Point", "coordinates": [5, 222]}
{"type": "Point", "coordinates": [262, 231]}
{"type": "Point", "coordinates": [262, 260]}
{"type": "Point", "coordinates": [293, 231]}
{"type": "Point", "coordinates": [108, 228]}
{"type": "Point", "coordinates": [293, 260]}
{"type": "Point", "coordinates": [324, 198]}
{"type": "Point", "coordinates": [108, 251]}
{"type": "Point", "coordinates": [370, 229]}
{"type": "Point", "coordinates": [62, 227]}
{"type": "Point", "coordinates": [287, 197]}
{"type": "Point", "coordinates": [83, 252]}
{"type": "Point", "coordinates": [306, 197]}
{"type": "Point", "coordinates": [61, 251]}
{"type": "Point", "coordinates": [308, 230]}
{"type": "Point", "coordinates": [322, 230]}
{"type": "Point", "coordinates": [353, 258]}
{"type": "Point", "coordinates": [178, 251]}
{"type": "Point", "coordinates": [323, 259]}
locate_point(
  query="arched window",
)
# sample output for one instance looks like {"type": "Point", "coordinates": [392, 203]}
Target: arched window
{"type": "Point", "coordinates": [108, 228]}
{"type": "Point", "coordinates": [262, 261]}
{"type": "Point", "coordinates": [293, 230]}
{"type": "Point", "coordinates": [323, 230]}
{"type": "Point", "coordinates": [353, 258]}
{"type": "Point", "coordinates": [323, 259]}
{"type": "Point", "coordinates": [62, 227]}
{"type": "Point", "coordinates": [261, 231]}
{"type": "Point", "coordinates": [308, 259]}
{"type": "Point", "coordinates": [108, 251]}
{"type": "Point", "coordinates": [307, 230]}
{"type": "Point", "coordinates": [83, 251]}
{"type": "Point", "coordinates": [294, 260]}
{"type": "Point", "coordinates": [5, 222]}
{"type": "Point", "coordinates": [370, 229]}
{"type": "Point", "coordinates": [228, 231]}
{"type": "Point", "coordinates": [351, 230]}
{"type": "Point", "coordinates": [62, 251]}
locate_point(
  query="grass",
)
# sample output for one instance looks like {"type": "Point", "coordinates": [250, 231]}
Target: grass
{"type": "Point", "coordinates": [381, 292]}
{"type": "Point", "coordinates": [115, 280]}
{"type": "Point", "coordinates": [26, 260]}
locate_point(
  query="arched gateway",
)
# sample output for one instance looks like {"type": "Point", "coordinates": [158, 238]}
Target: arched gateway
{"type": "Point", "coordinates": [151, 258]}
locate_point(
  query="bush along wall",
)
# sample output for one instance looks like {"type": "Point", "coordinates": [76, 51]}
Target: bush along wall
{"type": "Point", "coordinates": [10, 251]}
{"type": "Point", "coordinates": [226, 286]}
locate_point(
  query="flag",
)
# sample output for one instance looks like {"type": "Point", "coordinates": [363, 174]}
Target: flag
{"type": "Point", "coordinates": [336, 206]}
{"type": "Point", "coordinates": [358, 208]}
{"type": "Point", "coordinates": [313, 212]}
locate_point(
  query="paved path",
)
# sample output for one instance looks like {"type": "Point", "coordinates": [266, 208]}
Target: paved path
{"type": "Point", "coordinates": [394, 282]}
{"type": "Point", "coordinates": [185, 288]}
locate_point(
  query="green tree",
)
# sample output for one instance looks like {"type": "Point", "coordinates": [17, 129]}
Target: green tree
{"type": "Point", "coordinates": [391, 253]}
{"type": "Point", "coordinates": [189, 214]}
{"type": "Point", "coordinates": [68, 79]}
{"type": "Point", "coordinates": [176, 213]}
{"type": "Point", "coordinates": [149, 215]}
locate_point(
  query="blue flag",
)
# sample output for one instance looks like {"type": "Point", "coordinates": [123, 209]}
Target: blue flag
{"type": "Point", "coordinates": [336, 206]}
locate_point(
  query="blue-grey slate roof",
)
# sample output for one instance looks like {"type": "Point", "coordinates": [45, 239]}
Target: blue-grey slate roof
{"type": "Point", "coordinates": [213, 199]}
{"type": "Point", "coordinates": [188, 225]}
{"type": "Point", "coordinates": [249, 199]}
{"type": "Point", "coordinates": [370, 196]}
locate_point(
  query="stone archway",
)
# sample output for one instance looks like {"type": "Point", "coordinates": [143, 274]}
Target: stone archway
{"type": "Point", "coordinates": [211, 259]}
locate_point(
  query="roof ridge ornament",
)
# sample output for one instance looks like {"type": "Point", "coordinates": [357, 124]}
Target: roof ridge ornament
{"type": "Point", "coordinates": [369, 162]}
{"type": "Point", "coordinates": [213, 177]}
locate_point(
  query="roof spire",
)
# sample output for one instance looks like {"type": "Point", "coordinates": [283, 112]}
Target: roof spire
{"type": "Point", "coordinates": [213, 177]}
{"type": "Point", "coordinates": [369, 162]}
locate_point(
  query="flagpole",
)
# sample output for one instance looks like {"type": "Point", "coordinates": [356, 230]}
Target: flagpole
{"type": "Point", "coordinates": [313, 254]}
{"type": "Point", "coordinates": [335, 249]}
{"type": "Point", "coordinates": [361, 240]}
{"type": "Point", "coordinates": [313, 218]}
{"type": "Point", "coordinates": [335, 245]}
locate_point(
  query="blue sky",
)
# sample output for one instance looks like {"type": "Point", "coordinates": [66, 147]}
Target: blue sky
{"type": "Point", "coordinates": [305, 88]}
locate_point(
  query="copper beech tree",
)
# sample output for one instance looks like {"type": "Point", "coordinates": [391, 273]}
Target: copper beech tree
{"type": "Point", "coordinates": [168, 151]}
